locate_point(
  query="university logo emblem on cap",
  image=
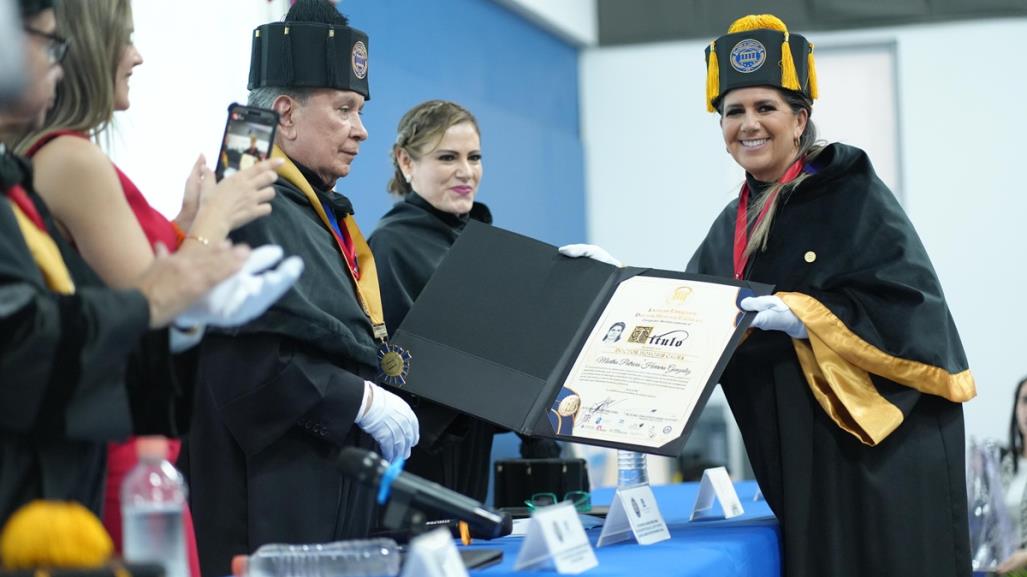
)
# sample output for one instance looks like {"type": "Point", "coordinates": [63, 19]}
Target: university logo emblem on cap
{"type": "Point", "coordinates": [748, 56]}
{"type": "Point", "coordinates": [359, 60]}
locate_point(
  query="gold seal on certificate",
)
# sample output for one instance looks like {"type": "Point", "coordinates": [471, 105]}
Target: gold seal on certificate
{"type": "Point", "coordinates": [569, 406]}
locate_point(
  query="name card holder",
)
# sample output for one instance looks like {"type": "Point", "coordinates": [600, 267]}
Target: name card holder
{"type": "Point", "coordinates": [716, 486]}
{"type": "Point", "coordinates": [634, 514]}
{"type": "Point", "coordinates": [433, 555]}
{"type": "Point", "coordinates": [555, 539]}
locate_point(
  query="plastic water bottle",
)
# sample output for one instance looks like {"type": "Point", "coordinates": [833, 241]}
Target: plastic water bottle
{"type": "Point", "coordinates": [153, 498]}
{"type": "Point", "coordinates": [631, 469]}
{"type": "Point", "coordinates": [359, 558]}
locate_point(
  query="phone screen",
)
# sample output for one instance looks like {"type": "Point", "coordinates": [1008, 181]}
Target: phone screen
{"type": "Point", "coordinates": [249, 135]}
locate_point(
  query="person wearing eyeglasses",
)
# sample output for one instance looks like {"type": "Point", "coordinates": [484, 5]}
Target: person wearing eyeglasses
{"type": "Point", "coordinates": [80, 363]}
{"type": "Point", "coordinates": [45, 49]}
{"type": "Point", "coordinates": [98, 207]}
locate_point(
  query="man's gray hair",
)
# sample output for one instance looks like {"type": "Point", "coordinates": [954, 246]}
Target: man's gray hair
{"type": "Point", "coordinates": [264, 97]}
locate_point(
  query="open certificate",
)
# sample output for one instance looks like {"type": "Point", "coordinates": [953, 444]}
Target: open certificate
{"type": "Point", "coordinates": [646, 362]}
{"type": "Point", "coordinates": [510, 331]}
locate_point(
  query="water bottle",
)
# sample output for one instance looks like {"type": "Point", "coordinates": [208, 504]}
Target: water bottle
{"type": "Point", "coordinates": [631, 469]}
{"type": "Point", "coordinates": [359, 558]}
{"type": "Point", "coordinates": [153, 498]}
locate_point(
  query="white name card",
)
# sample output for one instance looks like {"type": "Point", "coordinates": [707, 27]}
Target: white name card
{"type": "Point", "coordinates": [433, 555]}
{"type": "Point", "coordinates": [716, 485]}
{"type": "Point", "coordinates": [634, 513]}
{"type": "Point", "coordinates": [555, 538]}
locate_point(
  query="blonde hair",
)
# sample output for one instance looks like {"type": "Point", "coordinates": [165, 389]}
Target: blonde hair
{"type": "Point", "coordinates": [420, 131]}
{"type": "Point", "coordinates": [98, 32]}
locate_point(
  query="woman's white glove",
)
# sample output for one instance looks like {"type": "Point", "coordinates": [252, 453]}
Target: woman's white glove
{"type": "Point", "coordinates": [245, 295]}
{"type": "Point", "coordinates": [389, 420]}
{"type": "Point", "coordinates": [592, 251]}
{"type": "Point", "coordinates": [772, 314]}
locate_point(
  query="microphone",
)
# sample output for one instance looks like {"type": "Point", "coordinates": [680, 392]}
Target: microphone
{"type": "Point", "coordinates": [367, 468]}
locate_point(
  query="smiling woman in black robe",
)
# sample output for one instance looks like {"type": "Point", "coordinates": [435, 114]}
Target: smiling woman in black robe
{"type": "Point", "coordinates": [438, 169]}
{"type": "Point", "coordinates": [848, 399]}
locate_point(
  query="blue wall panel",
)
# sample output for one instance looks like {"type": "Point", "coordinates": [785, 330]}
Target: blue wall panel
{"type": "Point", "coordinates": [520, 81]}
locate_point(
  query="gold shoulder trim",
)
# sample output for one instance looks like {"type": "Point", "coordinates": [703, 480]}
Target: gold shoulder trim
{"type": "Point", "coordinates": [837, 337]}
{"type": "Point", "coordinates": [846, 393]}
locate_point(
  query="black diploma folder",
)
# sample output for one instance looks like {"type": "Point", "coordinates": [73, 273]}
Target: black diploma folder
{"type": "Point", "coordinates": [496, 330]}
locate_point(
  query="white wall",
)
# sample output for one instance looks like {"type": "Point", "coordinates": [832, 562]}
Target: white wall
{"type": "Point", "coordinates": [657, 172]}
{"type": "Point", "coordinates": [190, 74]}
{"type": "Point", "coordinates": [574, 20]}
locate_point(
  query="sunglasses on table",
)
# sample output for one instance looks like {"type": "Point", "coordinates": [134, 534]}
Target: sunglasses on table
{"type": "Point", "coordinates": [582, 501]}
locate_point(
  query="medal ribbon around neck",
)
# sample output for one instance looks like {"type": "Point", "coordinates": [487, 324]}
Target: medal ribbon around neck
{"type": "Point", "coordinates": [393, 361]}
{"type": "Point", "coordinates": [741, 219]}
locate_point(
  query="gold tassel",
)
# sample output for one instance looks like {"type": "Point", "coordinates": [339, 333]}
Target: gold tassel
{"type": "Point", "coordinates": [814, 90]}
{"type": "Point", "coordinates": [789, 78]}
{"type": "Point", "coordinates": [757, 22]}
{"type": "Point", "coordinates": [712, 78]}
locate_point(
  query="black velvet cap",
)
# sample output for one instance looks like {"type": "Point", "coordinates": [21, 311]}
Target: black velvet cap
{"type": "Point", "coordinates": [309, 55]}
{"type": "Point", "coordinates": [754, 58]}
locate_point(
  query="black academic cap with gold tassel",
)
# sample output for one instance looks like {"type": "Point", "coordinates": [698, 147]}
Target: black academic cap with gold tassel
{"type": "Point", "coordinates": [326, 53]}
{"type": "Point", "coordinates": [758, 50]}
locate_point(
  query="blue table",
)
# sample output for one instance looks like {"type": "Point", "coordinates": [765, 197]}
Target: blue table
{"type": "Point", "coordinates": [746, 546]}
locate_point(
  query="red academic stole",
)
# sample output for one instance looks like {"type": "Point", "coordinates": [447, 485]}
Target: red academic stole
{"type": "Point", "coordinates": [741, 219]}
{"type": "Point", "coordinates": [393, 361]}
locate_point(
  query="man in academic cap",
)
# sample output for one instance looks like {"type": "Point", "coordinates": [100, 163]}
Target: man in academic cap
{"type": "Point", "coordinates": [80, 363]}
{"type": "Point", "coordinates": [284, 394]}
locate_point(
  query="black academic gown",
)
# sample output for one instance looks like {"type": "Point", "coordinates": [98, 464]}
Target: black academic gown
{"type": "Point", "coordinates": [409, 243]}
{"type": "Point", "coordinates": [856, 434]}
{"type": "Point", "coordinates": [277, 399]}
{"type": "Point", "coordinates": [76, 370]}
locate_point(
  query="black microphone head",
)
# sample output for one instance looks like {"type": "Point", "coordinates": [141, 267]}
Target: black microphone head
{"type": "Point", "coordinates": [361, 465]}
{"type": "Point", "coordinates": [507, 527]}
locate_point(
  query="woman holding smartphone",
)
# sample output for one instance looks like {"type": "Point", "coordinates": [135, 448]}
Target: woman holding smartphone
{"type": "Point", "coordinates": [99, 208]}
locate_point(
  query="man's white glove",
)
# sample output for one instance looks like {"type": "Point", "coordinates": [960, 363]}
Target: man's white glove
{"type": "Point", "coordinates": [389, 420]}
{"type": "Point", "coordinates": [591, 251]}
{"type": "Point", "coordinates": [182, 339]}
{"type": "Point", "coordinates": [248, 293]}
{"type": "Point", "coordinates": [772, 314]}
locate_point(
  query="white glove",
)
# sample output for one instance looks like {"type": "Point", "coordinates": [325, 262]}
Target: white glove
{"type": "Point", "coordinates": [183, 339]}
{"type": "Point", "coordinates": [591, 251]}
{"type": "Point", "coordinates": [248, 293]}
{"type": "Point", "coordinates": [772, 314]}
{"type": "Point", "coordinates": [389, 420]}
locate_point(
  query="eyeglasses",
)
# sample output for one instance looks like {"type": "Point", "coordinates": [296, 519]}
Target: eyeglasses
{"type": "Point", "coordinates": [582, 501]}
{"type": "Point", "coordinates": [56, 45]}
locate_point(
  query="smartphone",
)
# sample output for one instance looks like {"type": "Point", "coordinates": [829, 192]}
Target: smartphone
{"type": "Point", "coordinates": [249, 136]}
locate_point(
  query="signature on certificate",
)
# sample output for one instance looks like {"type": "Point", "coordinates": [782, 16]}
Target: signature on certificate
{"type": "Point", "coordinates": [600, 408]}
